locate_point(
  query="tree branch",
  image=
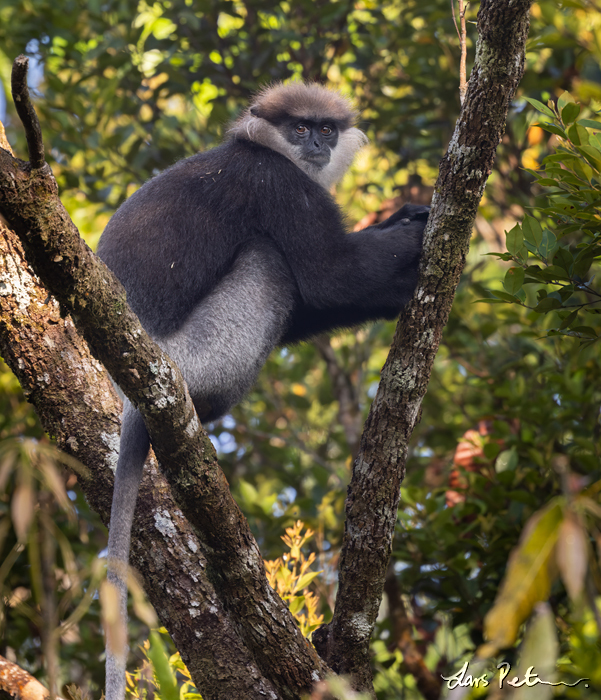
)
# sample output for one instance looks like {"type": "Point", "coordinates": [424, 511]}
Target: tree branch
{"type": "Point", "coordinates": [17, 684]}
{"type": "Point", "coordinates": [373, 494]}
{"type": "Point", "coordinates": [26, 112]}
{"type": "Point", "coordinates": [462, 34]}
{"type": "Point", "coordinates": [76, 402]}
{"type": "Point", "coordinates": [90, 292]}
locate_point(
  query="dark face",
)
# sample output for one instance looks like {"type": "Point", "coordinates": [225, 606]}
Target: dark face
{"type": "Point", "coordinates": [315, 139]}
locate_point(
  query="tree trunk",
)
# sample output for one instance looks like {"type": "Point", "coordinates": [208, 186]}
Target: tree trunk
{"type": "Point", "coordinates": [373, 494]}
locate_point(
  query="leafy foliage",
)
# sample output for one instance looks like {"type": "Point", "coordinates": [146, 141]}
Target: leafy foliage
{"type": "Point", "coordinates": [511, 419]}
{"type": "Point", "coordinates": [290, 576]}
{"type": "Point", "coordinates": [558, 252]}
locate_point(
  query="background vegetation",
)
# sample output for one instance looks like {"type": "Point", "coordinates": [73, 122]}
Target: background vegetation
{"type": "Point", "coordinates": [510, 427]}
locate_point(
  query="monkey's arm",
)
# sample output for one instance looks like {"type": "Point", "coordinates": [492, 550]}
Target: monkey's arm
{"type": "Point", "coordinates": [370, 275]}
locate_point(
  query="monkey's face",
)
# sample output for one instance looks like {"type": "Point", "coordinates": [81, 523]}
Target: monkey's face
{"type": "Point", "coordinates": [313, 141]}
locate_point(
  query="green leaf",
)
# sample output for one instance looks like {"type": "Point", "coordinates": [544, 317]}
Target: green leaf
{"type": "Point", "coordinates": [547, 243]}
{"type": "Point", "coordinates": [248, 491]}
{"type": "Point", "coordinates": [163, 672]}
{"type": "Point", "coordinates": [305, 580]}
{"type": "Point", "coordinates": [564, 258]}
{"type": "Point", "coordinates": [540, 107]}
{"type": "Point", "coordinates": [295, 605]}
{"type": "Point", "coordinates": [555, 158]}
{"type": "Point", "coordinates": [522, 254]}
{"type": "Point", "coordinates": [570, 112]}
{"type": "Point", "coordinates": [585, 330]}
{"type": "Point", "coordinates": [506, 461]}
{"type": "Point", "coordinates": [590, 124]}
{"type": "Point", "coordinates": [547, 304]}
{"type": "Point", "coordinates": [532, 248]}
{"type": "Point", "coordinates": [555, 272]}
{"type": "Point", "coordinates": [593, 155]}
{"type": "Point", "coordinates": [514, 239]}
{"type": "Point", "coordinates": [547, 182]}
{"type": "Point", "coordinates": [541, 293]}
{"type": "Point", "coordinates": [521, 295]}
{"type": "Point", "coordinates": [506, 297]}
{"type": "Point", "coordinates": [491, 450]}
{"type": "Point", "coordinates": [583, 264]}
{"type": "Point", "coordinates": [564, 99]}
{"type": "Point", "coordinates": [565, 292]}
{"type": "Point", "coordinates": [578, 135]}
{"type": "Point", "coordinates": [514, 279]}
{"type": "Point", "coordinates": [583, 170]}
{"type": "Point", "coordinates": [568, 320]}
{"type": "Point", "coordinates": [533, 232]}
{"type": "Point", "coordinates": [502, 256]}
{"type": "Point", "coordinates": [551, 128]}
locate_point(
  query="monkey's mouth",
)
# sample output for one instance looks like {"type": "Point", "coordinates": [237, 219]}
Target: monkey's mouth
{"type": "Point", "coordinates": [318, 159]}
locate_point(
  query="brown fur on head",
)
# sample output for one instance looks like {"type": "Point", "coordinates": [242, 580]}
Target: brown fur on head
{"type": "Point", "coordinates": [273, 104]}
{"type": "Point", "coordinates": [304, 101]}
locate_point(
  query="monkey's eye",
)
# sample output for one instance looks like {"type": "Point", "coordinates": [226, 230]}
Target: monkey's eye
{"type": "Point", "coordinates": [326, 130]}
{"type": "Point", "coordinates": [302, 129]}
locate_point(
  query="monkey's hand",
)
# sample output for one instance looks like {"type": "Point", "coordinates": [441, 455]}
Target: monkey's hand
{"type": "Point", "coordinates": [412, 217]}
{"type": "Point", "coordinates": [400, 236]}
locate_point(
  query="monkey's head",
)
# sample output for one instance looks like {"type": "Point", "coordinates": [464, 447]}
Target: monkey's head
{"type": "Point", "coordinates": [307, 123]}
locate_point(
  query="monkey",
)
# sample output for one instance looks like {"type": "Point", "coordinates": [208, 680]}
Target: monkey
{"type": "Point", "coordinates": [240, 249]}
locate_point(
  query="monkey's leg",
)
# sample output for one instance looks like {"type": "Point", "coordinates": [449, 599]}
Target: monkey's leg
{"type": "Point", "coordinates": [219, 349]}
{"type": "Point", "coordinates": [133, 451]}
{"type": "Point", "coordinates": [225, 341]}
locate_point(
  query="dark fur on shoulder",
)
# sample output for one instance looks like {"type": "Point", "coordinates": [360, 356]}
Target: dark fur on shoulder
{"type": "Point", "coordinates": [176, 237]}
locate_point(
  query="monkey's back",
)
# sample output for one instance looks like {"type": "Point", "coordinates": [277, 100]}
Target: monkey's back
{"type": "Point", "coordinates": [176, 237]}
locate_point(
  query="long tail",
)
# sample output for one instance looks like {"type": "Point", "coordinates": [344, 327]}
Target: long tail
{"type": "Point", "coordinates": [132, 455]}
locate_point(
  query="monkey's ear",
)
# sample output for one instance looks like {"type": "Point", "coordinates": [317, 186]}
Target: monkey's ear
{"type": "Point", "coordinates": [255, 111]}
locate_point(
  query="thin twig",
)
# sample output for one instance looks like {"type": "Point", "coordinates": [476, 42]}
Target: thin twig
{"type": "Point", "coordinates": [463, 43]}
{"type": "Point", "coordinates": [462, 34]}
{"type": "Point", "coordinates": [26, 112]}
{"type": "Point", "coordinates": [349, 413]}
{"type": "Point", "coordinates": [455, 19]}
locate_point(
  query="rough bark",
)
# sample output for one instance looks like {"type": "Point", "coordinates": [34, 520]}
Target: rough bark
{"type": "Point", "coordinates": [87, 290]}
{"type": "Point", "coordinates": [77, 404]}
{"type": "Point", "coordinates": [373, 494]}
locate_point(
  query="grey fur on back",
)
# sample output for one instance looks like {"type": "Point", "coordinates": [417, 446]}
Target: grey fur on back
{"type": "Point", "coordinates": [225, 341]}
